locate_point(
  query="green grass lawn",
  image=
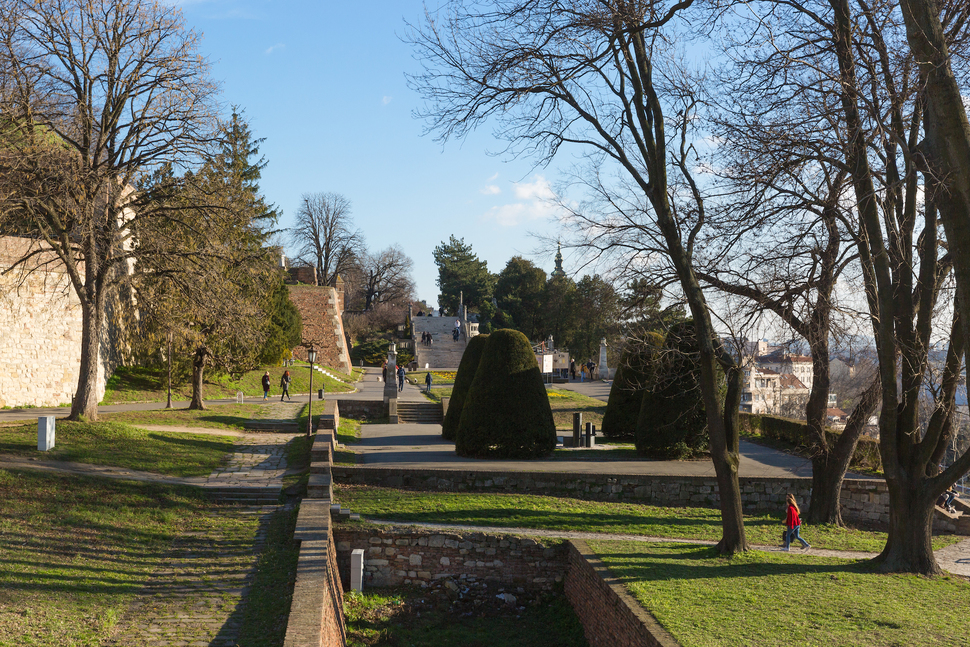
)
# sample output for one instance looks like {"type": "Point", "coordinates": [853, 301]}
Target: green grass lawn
{"type": "Point", "coordinates": [218, 416]}
{"type": "Point", "coordinates": [763, 599]}
{"type": "Point", "coordinates": [553, 513]}
{"type": "Point", "coordinates": [122, 445]}
{"type": "Point", "coordinates": [76, 551]}
{"type": "Point", "coordinates": [565, 403]}
{"type": "Point", "coordinates": [141, 384]}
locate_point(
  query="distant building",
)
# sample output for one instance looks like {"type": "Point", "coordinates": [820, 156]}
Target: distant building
{"type": "Point", "coordinates": [776, 382]}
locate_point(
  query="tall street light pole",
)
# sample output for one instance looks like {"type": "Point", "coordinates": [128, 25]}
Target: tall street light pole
{"type": "Point", "coordinates": [312, 356]}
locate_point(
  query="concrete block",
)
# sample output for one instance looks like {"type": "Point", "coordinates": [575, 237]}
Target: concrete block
{"type": "Point", "coordinates": [357, 569]}
{"type": "Point", "coordinates": [45, 433]}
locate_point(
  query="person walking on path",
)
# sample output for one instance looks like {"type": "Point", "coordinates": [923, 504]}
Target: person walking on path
{"type": "Point", "coordinates": [285, 385]}
{"type": "Point", "coordinates": [400, 378]}
{"type": "Point", "coordinates": [265, 385]}
{"type": "Point", "coordinates": [793, 523]}
{"type": "Point", "coordinates": [572, 368]}
{"type": "Point", "coordinates": [427, 381]}
{"type": "Point", "coordinates": [384, 371]}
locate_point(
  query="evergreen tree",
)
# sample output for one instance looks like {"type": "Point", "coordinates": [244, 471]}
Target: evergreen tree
{"type": "Point", "coordinates": [463, 382]}
{"type": "Point", "coordinates": [519, 293]}
{"type": "Point", "coordinates": [672, 423]}
{"type": "Point", "coordinates": [634, 376]}
{"type": "Point", "coordinates": [506, 413]}
{"type": "Point", "coordinates": [461, 272]}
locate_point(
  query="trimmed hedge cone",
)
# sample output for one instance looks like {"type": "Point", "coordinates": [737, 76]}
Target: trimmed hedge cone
{"type": "Point", "coordinates": [463, 382]}
{"type": "Point", "coordinates": [634, 375]}
{"type": "Point", "coordinates": [673, 421]}
{"type": "Point", "coordinates": [506, 413]}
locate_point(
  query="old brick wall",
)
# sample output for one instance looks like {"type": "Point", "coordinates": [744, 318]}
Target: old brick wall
{"type": "Point", "coordinates": [407, 556]}
{"type": "Point", "coordinates": [40, 320]}
{"type": "Point", "coordinates": [611, 617]}
{"type": "Point", "coordinates": [322, 312]}
{"type": "Point", "coordinates": [316, 616]}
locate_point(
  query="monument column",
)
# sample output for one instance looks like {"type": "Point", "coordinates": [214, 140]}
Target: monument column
{"type": "Point", "coordinates": [604, 369]}
{"type": "Point", "coordinates": [390, 385]}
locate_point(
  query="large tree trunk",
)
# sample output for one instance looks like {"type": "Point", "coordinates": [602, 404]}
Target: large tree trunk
{"type": "Point", "coordinates": [199, 361]}
{"type": "Point", "coordinates": [909, 547]}
{"type": "Point", "coordinates": [85, 404]}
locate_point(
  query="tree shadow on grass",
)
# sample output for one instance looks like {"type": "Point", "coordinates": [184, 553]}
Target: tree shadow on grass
{"type": "Point", "coordinates": [662, 562]}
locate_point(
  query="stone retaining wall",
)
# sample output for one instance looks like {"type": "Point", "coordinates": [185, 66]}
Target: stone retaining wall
{"type": "Point", "coordinates": [361, 408]}
{"type": "Point", "coordinates": [611, 617]}
{"type": "Point", "coordinates": [862, 499]}
{"type": "Point", "coordinates": [396, 556]}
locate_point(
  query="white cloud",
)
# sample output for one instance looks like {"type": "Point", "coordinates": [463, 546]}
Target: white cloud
{"type": "Point", "coordinates": [536, 202]}
{"type": "Point", "coordinates": [275, 47]}
{"type": "Point", "coordinates": [490, 189]}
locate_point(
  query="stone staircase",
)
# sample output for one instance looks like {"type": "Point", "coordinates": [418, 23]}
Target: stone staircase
{"type": "Point", "coordinates": [960, 519]}
{"type": "Point", "coordinates": [444, 352]}
{"type": "Point", "coordinates": [423, 413]}
{"type": "Point", "coordinates": [242, 495]}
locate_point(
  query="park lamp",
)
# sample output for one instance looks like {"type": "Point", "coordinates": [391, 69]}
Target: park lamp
{"type": "Point", "coordinates": [311, 355]}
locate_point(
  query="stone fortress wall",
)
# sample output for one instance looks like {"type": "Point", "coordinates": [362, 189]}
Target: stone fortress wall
{"type": "Point", "coordinates": [40, 331]}
{"type": "Point", "coordinates": [321, 308]}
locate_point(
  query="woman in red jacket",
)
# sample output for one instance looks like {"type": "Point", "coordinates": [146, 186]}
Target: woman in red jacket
{"type": "Point", "coordinates": [793, 523]}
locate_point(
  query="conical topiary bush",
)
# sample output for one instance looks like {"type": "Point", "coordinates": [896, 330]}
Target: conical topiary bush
{"type": "Point", "coordinates": [633, 376]}
{"type": "Point", "coordinates": [463, 382]}
{"type": "Point", "coordinates": [673, 421]}
{"type": "Point", "coordinates": [506, 412]}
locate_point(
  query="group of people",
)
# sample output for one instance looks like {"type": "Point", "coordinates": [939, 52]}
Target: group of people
{"type": "Point", "coordinates": [427, 338]}
{"type": "Point", "coordinates": [585, 370]}
{"type": "Point", "coordinates": [398, 371]}
{"type": "Point", "coordinates": [284, 386]}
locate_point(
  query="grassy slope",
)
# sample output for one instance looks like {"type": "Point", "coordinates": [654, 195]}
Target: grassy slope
{"type": "Point", "coordinates": [220, 416]}
{"type": "Point", "coordinates": [76, 550]}
{"type": "Point", "coordinates": [761, 599]}
{"type": "Point", "coordinates": [139, 384]}
{"type": "Point", "coordinates": [553, 513]}
{"type": "Point", "coordinates": [121, 445]}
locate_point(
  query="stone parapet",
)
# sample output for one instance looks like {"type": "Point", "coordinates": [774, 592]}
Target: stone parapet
{"type": "Point", "coordinates": [396, 556]}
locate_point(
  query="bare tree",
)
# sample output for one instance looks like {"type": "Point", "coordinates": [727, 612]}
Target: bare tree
{"type": "Point", "coordinates": [386, 277]}
{"type": "Point", "coordinates": [94, 97]}
{"type": "Point", "coordinates": [325, 235]}
{"type": "Point", "coordinates": [870, 101]}
{"type": "Point", "coordinates": [556, 73]}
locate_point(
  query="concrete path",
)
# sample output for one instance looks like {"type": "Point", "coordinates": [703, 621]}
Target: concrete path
{"type": "Point", "coordinates": [421, 447]}
{"type": "Point", "coordinates": [599, 389]}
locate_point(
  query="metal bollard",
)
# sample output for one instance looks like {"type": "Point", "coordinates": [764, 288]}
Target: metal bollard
{"type": "Point", "coordinates": [577, 429]}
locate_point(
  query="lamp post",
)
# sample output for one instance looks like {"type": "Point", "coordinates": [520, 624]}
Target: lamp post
{"type": "Point", "coordinates": [312, 356]}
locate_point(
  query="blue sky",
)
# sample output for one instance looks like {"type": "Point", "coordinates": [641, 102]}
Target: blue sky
{"type": "Point", "coordinates": [324, 84]}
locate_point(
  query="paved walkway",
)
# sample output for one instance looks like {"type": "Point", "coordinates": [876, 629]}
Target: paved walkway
{"type": "Point", "coordinates": [418, 446]}
{"type": "Point", "coordinates": [199, 598]}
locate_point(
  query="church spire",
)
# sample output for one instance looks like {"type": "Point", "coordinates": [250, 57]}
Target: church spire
{"type": "Point", "coordinates": [559, 271]}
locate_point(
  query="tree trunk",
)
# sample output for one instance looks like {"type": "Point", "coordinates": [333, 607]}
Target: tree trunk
{"type": "Point", "coordinates": [909, 548]}
{"type": "Point", "coordinates": [198, 367]}
{"type": "Point", "coordinates": [85, 404]}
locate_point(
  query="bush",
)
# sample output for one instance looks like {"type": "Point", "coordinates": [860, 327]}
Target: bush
{"type": "Point", "coordinates": [633, 377]}
{"type": "Point", "coordinates": [506, 413]}
{"type": "Point", "coordinates": [672, 423]}
{"type": "Point", "coordinates": [463, 382]}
